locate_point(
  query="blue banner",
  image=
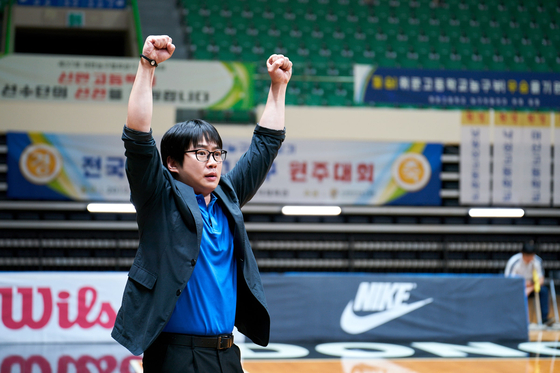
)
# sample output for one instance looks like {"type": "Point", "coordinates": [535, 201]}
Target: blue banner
{"type": "Point", "coordinates": [99, 4]}
{"type": "Point", "coordinates": [349, 173]}
{"type": "Point", "coordinates": [66, 167]}
{"type": "Point", "coordinates": [321, 308]}
{"type": "Point", "coordinates": [91, 167]}
{"type": "Point", "coordinates": [449, 88]}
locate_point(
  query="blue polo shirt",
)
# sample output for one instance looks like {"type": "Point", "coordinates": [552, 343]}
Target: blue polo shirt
{"type": "Point", "coordinates": [207, 304]}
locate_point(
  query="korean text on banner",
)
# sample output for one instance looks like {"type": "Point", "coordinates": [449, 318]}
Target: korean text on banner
{"type": "Point", "coordinates": [80, 167]}
{"type": "Point", "coordinates": [508, 172]}
{"type": "Point", "coordinates": [537, 160]}
{"type": "Point", "coordinates": [66, 167]}
{"type": "Point", "coordinates": [185, 84]}
{"type": "Point", "coordinates": [461, 88]}
{"type": "Point", "coordinates": [475, 158]}
{"type": "Point", "coordinates": [349, 172]}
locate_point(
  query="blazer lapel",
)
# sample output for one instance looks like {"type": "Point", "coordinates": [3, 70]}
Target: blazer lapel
{"type": "Point", "coordinates": [188, 206]}
{"type": "Point", "coordinates": [234, 213]}
{"type": "Point", "coordinates": [219, 191]}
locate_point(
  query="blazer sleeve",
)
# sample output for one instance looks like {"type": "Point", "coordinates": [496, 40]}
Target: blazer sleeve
{"type": "Point", "coordinates": [250, 171]}
{"type": "Point", "coordinates": [144, 169]}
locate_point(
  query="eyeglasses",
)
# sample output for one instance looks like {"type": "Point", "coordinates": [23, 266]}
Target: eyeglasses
{"type": "Point", "coordinates": [203, 155]}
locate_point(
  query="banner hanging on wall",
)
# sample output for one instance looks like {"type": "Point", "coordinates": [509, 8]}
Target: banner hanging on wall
{"type": "Point", "coordinates": [81, 307]}
{"type": "Point", "coordinates": [507, 173]}
{"type": "Point", "coordinates": [537, 159]}
{"type": "Point", "coordinates": [184, 84]}
{"type": "Point", "coordinates": [83, 167]}
{"type": "Point", "coordinates": [461, 88]}
{"type": "Point", "coordinates": [475, 158]}
{"type": "Point", "coordinates": [392, 308]}
{"type": "Point", "coordinates": [350, 172]}
{"type": "Point", "coordinates": [50, 307]}
{"type": "Point", "coordinates": [66, 167]}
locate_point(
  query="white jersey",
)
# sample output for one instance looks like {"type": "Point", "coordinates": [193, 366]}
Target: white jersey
{"type": "Point", "coordinates": [516, 267]}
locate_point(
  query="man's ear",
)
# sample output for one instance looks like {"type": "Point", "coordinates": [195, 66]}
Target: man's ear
{"type": "Point", "coordinates": [172, 165]}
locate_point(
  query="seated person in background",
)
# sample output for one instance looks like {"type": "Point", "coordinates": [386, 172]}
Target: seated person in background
{"type": "Point", "coordinates": [528, 265]}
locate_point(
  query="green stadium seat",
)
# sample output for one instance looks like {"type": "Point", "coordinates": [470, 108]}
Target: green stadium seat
{"type": "Point", "coordinates": [316, 96]}
{"type": "Point", "coordinates": [539, 63]}
{"type": "Point", "coordinates": [475, 62]}
{"type": "Point", "coordinates": [346, 69]}
{"type": "Point", "coordinates": [326, 37]}
{"type": "Point", "coordinates": [548, 51]}
{"type": "Point", "coordinates": [344, 55]}
{"type": "Point", "coordinates": [555, 63]}
{"type": "Point", "coordinates": [497, 64]}
{"type": "Point", "coordinates": [294, 95]}
{"type": "Point", "coordinates": [202, 54]}
{"type": "Point", "coordinates": [507, 50]}
{"type": "Point", "coordinates": [517, 63]}
{"type": "Point", "coordinates": [239, 116]}
{"type": "Point", "coordinates": [455, 60]}
{"type": "Point", "coordinates": [214, 116]}
{"type": "Point", "coordinates": [261, 91]}
{"type": "Point", "coordinates": [432, 58]}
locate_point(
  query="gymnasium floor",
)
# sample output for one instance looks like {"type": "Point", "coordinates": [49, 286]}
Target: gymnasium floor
{"type": "Point", "coordinates": [543, 360]}
{"type": "Point", "coordinates": [538, 355]}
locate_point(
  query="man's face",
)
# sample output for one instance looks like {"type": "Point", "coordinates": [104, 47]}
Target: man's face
{"type": "Point", "coordinates": [527, 258]}
{"type": "Point", "coordinates": [204, 176]}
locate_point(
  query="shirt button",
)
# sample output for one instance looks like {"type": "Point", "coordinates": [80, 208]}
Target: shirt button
{"type": "Point", "coordinates": [193, 262]}
{"type": "Point", "coordinates": [178, 292]}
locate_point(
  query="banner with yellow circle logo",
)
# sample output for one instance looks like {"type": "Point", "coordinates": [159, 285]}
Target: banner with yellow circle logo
{"type": "Point", "coordinates": [91, 168]}
{"type": "Point", "coordinates": [66, 167]}
{"type": "Point", "coordinates": [349, 173]}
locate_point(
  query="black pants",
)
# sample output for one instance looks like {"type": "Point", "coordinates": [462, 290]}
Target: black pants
{"type": "Point", "coordinates": [162, 357]}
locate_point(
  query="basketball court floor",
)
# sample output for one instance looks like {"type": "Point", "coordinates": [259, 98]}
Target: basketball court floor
{"type": "Point", "coordinates": [538, 355]}
{"type": "Point", "coordinates": [543, 359]}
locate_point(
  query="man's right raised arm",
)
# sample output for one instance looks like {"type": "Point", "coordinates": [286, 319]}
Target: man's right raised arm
{"type": "Point", "coordinates": [142, 161]}
{"type": "Point", "coordinates": [140, 103]}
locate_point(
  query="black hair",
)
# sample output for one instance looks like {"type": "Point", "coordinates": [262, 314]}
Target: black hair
{"type": "Point", "coordinates": [183, 135]}
{"type": "Point", "coordinates": [529, 247]}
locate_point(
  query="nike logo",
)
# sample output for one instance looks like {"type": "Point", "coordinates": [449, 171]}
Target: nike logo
{"type": "Point", "coordinates": [354, 324]}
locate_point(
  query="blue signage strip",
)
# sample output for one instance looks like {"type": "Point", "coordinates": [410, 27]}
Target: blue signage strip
{"type": "Point", "coordinates": [449, 88]}
{"type": "Point", "coordinates": [99, 4]}
{"type": "Point", "coordinates": [323, 308]}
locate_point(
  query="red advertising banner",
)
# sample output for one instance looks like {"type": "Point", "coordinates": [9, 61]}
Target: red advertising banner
{"type": "Point", "coordinates": [59, 307]}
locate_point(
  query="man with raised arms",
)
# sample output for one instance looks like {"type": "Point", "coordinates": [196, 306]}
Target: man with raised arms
{"type": "Point", "coordinates": [194, 275]}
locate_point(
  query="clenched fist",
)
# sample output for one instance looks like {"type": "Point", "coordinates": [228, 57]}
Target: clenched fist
{"type": "Point", "coordinates": [279, 68]}
{"type": "Point", "coordinates": [158, 48]}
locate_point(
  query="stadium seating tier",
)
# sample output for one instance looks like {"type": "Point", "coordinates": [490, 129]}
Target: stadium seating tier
{"type": "Point", "coordinates": [495, 35]}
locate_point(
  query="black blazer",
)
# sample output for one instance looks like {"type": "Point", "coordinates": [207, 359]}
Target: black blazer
{"type": "Point", "coordinates": [170, 229]}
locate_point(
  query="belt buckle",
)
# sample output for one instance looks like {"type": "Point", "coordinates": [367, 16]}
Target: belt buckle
{"type": "Point", "coordinates": [224, 342]}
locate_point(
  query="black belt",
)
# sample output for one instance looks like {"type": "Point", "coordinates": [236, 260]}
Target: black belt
{"type": "Point", "coordinates": [219, 342]}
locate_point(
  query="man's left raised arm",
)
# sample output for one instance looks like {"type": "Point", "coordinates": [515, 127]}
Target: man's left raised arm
{"type": "Point", "coordinates": [250, 171]}
{"type": "Point", "coordinates": [280, 71]}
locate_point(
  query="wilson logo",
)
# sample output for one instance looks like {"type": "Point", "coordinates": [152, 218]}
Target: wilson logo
{"type": "Point", "coordinates": [386, 299]}
{"type": "Point", "coordinates": [42, 299]}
